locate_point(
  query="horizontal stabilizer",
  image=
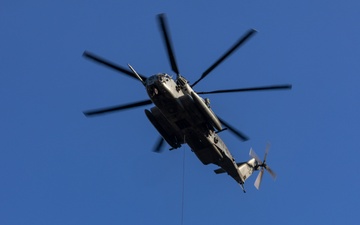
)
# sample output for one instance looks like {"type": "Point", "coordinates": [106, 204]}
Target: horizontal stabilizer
{"type": "Point", "coordinates": [221, 170]}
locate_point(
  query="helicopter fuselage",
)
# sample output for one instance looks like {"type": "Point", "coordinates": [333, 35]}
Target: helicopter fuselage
{"type": "Point", "coordinates": [183, 117]}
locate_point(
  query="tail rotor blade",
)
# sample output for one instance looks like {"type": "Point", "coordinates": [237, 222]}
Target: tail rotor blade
{"type": "Point", "coordinates": [259, 178]}
{"type": "Point", "coordinates": [271, 172]}
{"type": "Point", "coordinates": [261, 165]}
{"type": "Point", "coordinates": [255, 156]}
{"type": "Point", "coordinates": [266, 151]}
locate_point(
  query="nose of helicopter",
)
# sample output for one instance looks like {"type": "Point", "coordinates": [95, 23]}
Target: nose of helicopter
{"type": "Point", "coordinates": [160, 77]}
{"type": "Point", "coordinates": [159, 83]}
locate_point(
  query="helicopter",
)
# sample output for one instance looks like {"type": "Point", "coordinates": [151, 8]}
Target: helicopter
{"type": "Point", "coordinates": [181, 116]}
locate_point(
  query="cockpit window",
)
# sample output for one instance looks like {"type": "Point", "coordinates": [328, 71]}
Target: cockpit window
{"type": "Point", "coordinates": [163, 77]}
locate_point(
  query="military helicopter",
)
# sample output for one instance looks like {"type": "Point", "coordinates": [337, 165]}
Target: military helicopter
{"type": "Point", "coordinates": [181, 116]}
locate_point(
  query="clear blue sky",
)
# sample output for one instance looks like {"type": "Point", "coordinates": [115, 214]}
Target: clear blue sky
{"type": "Point", "coordinates": [59, 167]}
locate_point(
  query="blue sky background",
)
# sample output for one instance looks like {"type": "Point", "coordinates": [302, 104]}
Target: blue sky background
{"type": "Point", "coordinates": [59, 167]}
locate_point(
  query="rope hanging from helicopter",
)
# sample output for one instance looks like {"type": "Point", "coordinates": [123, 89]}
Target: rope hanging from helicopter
{"type": "Point", "coordinates": [183, 187]}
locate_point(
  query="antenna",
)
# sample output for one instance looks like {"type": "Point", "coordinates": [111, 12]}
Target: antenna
{"type": "Point", "coordinates": [136, 74]}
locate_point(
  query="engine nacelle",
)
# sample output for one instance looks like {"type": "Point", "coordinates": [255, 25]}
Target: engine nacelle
{"type": "Point", "coordinates": [206, 111]}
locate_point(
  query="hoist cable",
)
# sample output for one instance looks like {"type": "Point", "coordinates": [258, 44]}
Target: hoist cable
{"type": "Point", "coordinates": [183, 188]}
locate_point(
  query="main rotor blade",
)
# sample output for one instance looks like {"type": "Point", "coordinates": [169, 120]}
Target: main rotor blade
{"type": "Point", "coordinates": [222, 58]}
{"type": "Point", "coordinates": [159, 145]}
{"type": "Point", "coordinates": [166, 37]}
{"type": "Point", "coordinates": [264, 88]}
{"type": "Point", "coordinates": [116, 108]}
{"type": "Point", "coordinates": [240, 135]}
{"type": "Point", "coordinates": [112, 65]}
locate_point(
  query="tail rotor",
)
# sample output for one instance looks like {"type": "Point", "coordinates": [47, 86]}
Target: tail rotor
{"type": "Point", "coordinates": [260, 165]}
